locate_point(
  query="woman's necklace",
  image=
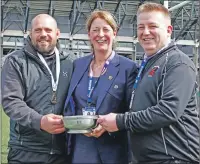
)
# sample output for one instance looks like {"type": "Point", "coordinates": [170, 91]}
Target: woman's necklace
{"type": "Point", "coordinates": [96, 68]}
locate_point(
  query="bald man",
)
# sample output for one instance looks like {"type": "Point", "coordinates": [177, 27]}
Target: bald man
{"type": "Point", "coordinates": [35, 81]}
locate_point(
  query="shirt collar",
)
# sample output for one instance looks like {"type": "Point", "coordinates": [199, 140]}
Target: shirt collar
{"type": "Point", "coordinates": [149, 57]}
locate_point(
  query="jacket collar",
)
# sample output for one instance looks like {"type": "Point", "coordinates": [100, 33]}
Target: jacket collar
{"type": "Point", "coordinates": [171, 46]}
{"type": "Point", "coordinates": [28, 47]}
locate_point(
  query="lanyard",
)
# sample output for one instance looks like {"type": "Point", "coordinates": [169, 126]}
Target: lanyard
{"type": "Point", "coordinates": [144, 62]}
{"type": "Point", "coordinates": [53, 82]}
{"type": "Point", "coordinates": [92, 84]}
{"type": "Point", "coordinates": [139, 73]}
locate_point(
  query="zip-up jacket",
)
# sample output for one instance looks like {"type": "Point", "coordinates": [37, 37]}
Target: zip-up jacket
{"type": "Point", "coordinates": [164, 119]}
{"type": "Point", "coordinates": [26, 97]}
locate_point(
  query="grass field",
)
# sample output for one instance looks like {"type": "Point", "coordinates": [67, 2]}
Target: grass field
{"type": "Point", "coordinates": [4, 137]}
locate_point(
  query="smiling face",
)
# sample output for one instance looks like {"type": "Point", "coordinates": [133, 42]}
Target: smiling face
{"type": "Point", "coordinates": [153, 30]}
{"type": "Point", "coordinates": [101, 35]}
{"type": "Point", "coordinates": [44, 34]}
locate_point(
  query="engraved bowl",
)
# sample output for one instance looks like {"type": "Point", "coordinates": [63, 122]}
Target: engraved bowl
{"type": "Point", "coordinates": [80, 123]}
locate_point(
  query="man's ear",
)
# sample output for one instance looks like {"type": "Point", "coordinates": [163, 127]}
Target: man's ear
{"type": "Point", "coordinates": [58, 33]}
{"type": "Point", "coordinates": [169, 30]}
{"type": "Point", "coordinates": [30, 33]}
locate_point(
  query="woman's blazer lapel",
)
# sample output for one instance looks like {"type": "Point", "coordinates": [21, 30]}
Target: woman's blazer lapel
{"type": "Point", "coordinates": [107, 80]}
{"type": "Point", "coordinates": [81, 66]}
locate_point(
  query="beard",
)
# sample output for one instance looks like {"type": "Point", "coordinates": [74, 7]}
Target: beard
{"type": "Point", "coordinates": [46, 49]}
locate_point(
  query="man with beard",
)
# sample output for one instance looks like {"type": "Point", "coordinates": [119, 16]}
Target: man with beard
{"type": "Point", "coordinates": [34, 84]}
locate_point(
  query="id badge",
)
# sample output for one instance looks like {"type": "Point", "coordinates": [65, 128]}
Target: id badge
{"type": "Point", "coordinates": [89, 110]}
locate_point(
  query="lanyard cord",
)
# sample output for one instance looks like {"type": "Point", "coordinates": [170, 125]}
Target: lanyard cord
{"type": "Point", "coordinates": [91, 84]}
{"type": "Point", "coordinates": [71, 101]}
{"type": "Point", "coordinates": [144, 62]}
{"type": "Point", "coordinates": [53, 82]}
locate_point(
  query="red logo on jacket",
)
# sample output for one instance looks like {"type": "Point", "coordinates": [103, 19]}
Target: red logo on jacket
{"type": "Point", "coordinates": [153, 70]}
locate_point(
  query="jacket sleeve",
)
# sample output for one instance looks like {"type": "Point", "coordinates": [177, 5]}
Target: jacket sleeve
{"type": "Point", "coordinates": [179, 85]}
{"type": "Point", "coordinates": [13, 93]}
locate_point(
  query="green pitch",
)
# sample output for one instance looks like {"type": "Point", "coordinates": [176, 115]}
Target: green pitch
{"type": "Point", "coordinates": [4, 136]}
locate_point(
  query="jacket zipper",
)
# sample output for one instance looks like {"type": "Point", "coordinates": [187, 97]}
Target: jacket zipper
{"type": "Point", "coordinates": [52, 136]}
{"type": "Point", "coordinates": [47, 73]}
{"type": "Point", "coordinates": [19, 135]}
{"type": "Point", "coordinates": [156, 57]}
{"type": "Point", "coordinates": [163, 83]}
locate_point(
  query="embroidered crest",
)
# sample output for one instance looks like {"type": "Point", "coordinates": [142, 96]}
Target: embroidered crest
{"type": "Point", "coordinates": [110, 77]}
{"type": "Point", "coordinates": [153, 70]}
{"type": "Point", "coordinates": [116, 86]}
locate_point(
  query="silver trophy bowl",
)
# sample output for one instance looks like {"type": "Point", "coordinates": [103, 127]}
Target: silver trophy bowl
{"type": "Point", "coordinates": [80, 123]}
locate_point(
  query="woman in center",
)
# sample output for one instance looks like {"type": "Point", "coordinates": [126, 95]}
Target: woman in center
{"type": "Point", "coordinates": [101, 83]}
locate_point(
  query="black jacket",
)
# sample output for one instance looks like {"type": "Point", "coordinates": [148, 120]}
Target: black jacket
{"type": "Point", "coordinates": [164, 118]}
{"type": "Point", "coordinates": [26, 97]}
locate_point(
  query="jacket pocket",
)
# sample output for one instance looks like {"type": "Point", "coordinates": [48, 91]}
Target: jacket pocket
{"type": "Point", "coordinates": [114, 100]}
{"type": "Point", "coordinates": [114, 96]}
{"type": "Point", "coordinates": [23, 130]}
{"type": "Point", "coordinates": [116, 91]}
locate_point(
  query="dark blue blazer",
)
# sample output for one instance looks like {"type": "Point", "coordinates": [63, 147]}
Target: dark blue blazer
{"type": "Point", "coordinates": [113, 97]}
